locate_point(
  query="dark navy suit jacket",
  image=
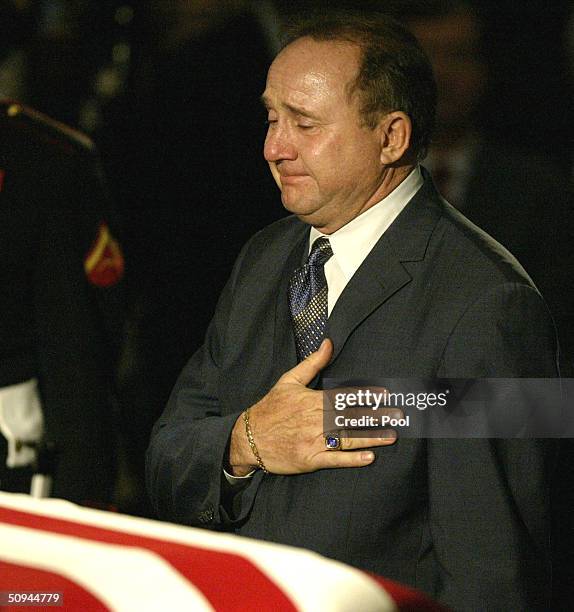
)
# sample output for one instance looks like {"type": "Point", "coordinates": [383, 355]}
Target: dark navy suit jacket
{"type": "Point", "coordinates": [464, 520]}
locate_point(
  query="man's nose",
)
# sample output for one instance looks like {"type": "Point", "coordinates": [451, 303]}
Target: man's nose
{"type": "Point", "coordinates": [278, 145]}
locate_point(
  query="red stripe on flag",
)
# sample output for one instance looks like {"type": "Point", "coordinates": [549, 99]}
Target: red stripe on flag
{"type": "Point", "coordinates": [230, 582]}
{"type": "Point", "coordinates": [14, 578]}
{"type": "Point", "coordinates": [2, 175]}
{"type": "Point", "coordinates": [407, 599]}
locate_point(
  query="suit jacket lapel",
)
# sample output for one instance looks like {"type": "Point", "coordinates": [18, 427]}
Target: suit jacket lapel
{"type": "Point", "coordinates": [383, 274]}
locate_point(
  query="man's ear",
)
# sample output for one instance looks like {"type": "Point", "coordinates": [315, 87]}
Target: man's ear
{"type": "Point", "coordinates": [395, 130]}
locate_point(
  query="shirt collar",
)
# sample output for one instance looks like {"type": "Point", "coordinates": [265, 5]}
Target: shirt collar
{"type": "Point", "coordinates": [353, 242]}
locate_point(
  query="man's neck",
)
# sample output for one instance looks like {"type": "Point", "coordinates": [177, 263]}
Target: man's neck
{"type": "Point", "coordinates": [393, 177]}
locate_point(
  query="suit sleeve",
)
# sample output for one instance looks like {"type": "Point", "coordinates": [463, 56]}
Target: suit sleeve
{"type": "Point", "coordinates": [188, 448]}
{"type": "Point", "coordinates": [489, 498]}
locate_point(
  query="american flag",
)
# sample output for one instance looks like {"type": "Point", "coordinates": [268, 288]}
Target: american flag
{"type": "Point", "coordinates": [106, 561]}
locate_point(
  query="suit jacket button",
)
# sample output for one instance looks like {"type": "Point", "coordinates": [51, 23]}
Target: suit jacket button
{"type": "Point", "coordinates": [206, 516]}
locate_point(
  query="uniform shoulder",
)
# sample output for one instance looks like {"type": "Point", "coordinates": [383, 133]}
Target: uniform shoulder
{"type": "Point", "coordinates": [43, 129]}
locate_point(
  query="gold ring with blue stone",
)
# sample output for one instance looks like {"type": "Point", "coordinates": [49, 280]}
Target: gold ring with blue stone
{"type": "Point", "coordinates": [332, 441]}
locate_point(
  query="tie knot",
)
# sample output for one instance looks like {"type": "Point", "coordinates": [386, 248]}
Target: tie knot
{"type": "Point", "coordinates": [320, 253]}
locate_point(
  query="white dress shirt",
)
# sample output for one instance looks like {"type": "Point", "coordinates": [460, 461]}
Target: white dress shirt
{"type": "Point", "coordinates": [353, 242]}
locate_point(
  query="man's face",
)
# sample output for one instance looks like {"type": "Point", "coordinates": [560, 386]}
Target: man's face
{"type": "Point", "coordinates": [326, 163]}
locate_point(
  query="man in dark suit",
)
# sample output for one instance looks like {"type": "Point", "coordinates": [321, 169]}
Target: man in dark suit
{"type": "Point", "coordinates": [61, 312]}
{"type": "Point", "coordinates": [410, 289]}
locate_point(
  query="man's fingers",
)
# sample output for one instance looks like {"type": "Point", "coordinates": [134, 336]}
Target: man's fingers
{"type": "Point", "coordinates": [304, 372]}
{"type": "Point", "coordinates": [384, 437]}
{"type": "Point", "coordinates": [342, 459]}
{"type": "Point", "coordinates": [355, 452]}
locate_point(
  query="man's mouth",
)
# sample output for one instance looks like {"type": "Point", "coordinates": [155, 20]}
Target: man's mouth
{"type": "Point", "coordinates": [288, 179]}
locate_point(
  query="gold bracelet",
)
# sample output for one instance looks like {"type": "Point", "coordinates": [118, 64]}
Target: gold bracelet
{"type": "Point", "coordinates": [252, 442]}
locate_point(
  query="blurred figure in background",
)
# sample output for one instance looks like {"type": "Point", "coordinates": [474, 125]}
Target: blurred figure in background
{"type": "Point", "coordinates": [16, 30]}
{"type": "Point", "coordinates": [520, 198]}
{"type": "Point", "coordinates": [62, 310]}
{"type": "Point", "coordinates": [182, 147]}
{"type": "Point", "coordinates": [170, 93]}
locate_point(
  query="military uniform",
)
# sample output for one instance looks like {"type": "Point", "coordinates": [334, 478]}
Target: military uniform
{"type": "Point", "coordinates": [61, 309]}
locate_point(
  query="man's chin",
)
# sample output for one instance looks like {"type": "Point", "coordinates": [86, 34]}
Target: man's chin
{"type": "Point", "coordinates": [300, 208]}
{"type": "Point", "coordinates": [295, 202]}
{"type": "Point", "coordinates": [311, 215]}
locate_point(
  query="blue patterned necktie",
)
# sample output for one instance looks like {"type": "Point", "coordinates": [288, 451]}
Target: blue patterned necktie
{"type": "Point", "coordinates": [308, 299]}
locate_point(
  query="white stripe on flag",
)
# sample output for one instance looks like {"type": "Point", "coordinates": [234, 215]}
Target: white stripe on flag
{"type": "Point", "coordinates": [124, 578]}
